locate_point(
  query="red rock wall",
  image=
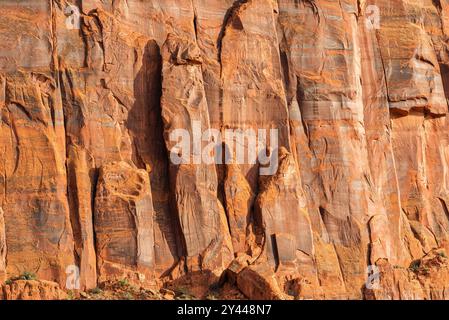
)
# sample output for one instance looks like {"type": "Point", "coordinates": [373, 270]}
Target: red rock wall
{"type": "Point", "coordinates": [86, 115]}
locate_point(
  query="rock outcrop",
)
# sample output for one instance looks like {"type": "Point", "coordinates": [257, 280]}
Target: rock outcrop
{"type": "Point", "coordinates": [123, 218]}
{"type": "Point", "coordinates": [32, 290]}
{"type": "Point", "coordinates": [346, 100]}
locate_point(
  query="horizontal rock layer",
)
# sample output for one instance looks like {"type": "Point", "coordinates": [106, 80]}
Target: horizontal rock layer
{"type": "Point", "coordinates": [92, 91]}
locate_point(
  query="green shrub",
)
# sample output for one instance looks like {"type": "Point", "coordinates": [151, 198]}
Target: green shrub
{"type": "Point", "coordinates": [415, 265]}
{"type": "Point", "coordinates": [28, 276]}
{"type": "Point", "coordinates": [123, 283]}
{"type": "Point", "coordinates": [96, 291]}
{"type": "Point", "coordinates": [70, 295]}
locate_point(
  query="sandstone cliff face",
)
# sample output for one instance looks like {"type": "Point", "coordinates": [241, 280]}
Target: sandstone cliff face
{"type": "Point", "coordinates": [92, 90]}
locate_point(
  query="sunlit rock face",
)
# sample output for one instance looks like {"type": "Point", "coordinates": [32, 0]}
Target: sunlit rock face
{"type": "Point", "coordinates": [92, 93]}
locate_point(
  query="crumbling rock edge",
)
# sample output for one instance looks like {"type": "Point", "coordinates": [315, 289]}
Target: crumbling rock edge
{"type": "Point", "coordinates": [90, 93]}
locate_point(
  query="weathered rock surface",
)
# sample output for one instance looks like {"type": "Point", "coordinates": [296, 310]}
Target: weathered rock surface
{"type": "Point", "coordinates": [92, 93]}
{"type": "Point", "coordinates": [32, 290]}
{"type": "Point", "coordinates": [123, 219]}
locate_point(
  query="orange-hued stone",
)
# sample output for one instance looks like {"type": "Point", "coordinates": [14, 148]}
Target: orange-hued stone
{"type": "Point", "coordinates": [91, 95]}
{"type": "Point", "coordinates": [32, 290]}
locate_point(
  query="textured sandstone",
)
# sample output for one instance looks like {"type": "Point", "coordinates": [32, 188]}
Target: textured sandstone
{"type": "Point", "coordinates": [194, 184]}
{"type": "Point", "coordinates": [239, 200]}
{"type": "Point", "coordinates": [259, 283]}
{"type": "Point", "coordinates": [86, 115]}
{"type": "Point", "coordinates": [123, 220]}
{"type": "Point", "coordinates": [32, 290]}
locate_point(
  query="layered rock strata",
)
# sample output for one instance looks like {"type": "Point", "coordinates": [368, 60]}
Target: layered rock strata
{"type": "Point", "coordinates": [93, 92]}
